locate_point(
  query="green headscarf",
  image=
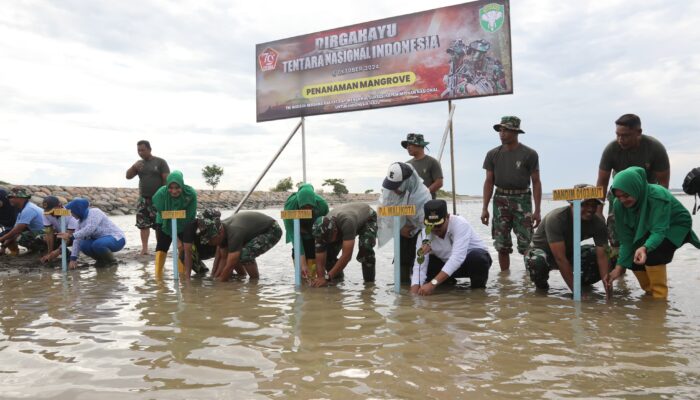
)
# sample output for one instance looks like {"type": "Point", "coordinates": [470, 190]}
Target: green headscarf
{"type": "Point", "coordinates": [187, 201]}
{"type": "Point", "coordinates": [306, 195]}
{"type": "Point", "coordinates": [657, 215]}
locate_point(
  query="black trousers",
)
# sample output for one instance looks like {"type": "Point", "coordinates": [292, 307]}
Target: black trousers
{"type": "Point", "coordinates": [660, 255]}
{"type": "Point", "coordinates": [163, 240]}
{"type": "Point", "coordinates": [475, 267]}
{"type": "Point", "coordinates": [407, 248]}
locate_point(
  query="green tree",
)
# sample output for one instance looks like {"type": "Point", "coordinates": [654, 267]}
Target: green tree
{"type": "Point", "coordinates": [338, 185]}
{"type": "Point", "coordinates": [284, 185]}
{"type": "Point", "coordinates": [212, 175]}
{"type": "Point", "coordinates": [368, 191]}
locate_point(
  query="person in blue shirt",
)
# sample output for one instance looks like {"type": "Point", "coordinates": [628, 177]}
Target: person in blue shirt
{"type": "Point", "coordinates": [29, 226]}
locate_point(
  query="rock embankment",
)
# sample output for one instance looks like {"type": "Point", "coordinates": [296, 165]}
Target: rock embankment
{"type": "Point", "coordinates": [122, 201]}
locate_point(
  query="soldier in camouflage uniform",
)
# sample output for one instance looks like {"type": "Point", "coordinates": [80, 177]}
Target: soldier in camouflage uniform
{"type": "Point", "coordinates": [196, 241]}
{"type": "Point", "coordinates": [553, 244]}
{"type": "Point", "coordinates": [242, 238]}
{"type": "Point", "coordinates": [29, 225]}
{"type": "Point", "coordinates": [335, 234]}
{"type": "Point", "coordinates": [511, 167]}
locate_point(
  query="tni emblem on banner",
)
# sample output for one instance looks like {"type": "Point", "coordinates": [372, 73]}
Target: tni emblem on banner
{"type": "Point", "coordinates": [491, 17]}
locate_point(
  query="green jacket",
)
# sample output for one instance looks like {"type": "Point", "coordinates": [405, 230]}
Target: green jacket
{"type": "Point", "coordinates": [187, 201]}
{"type": "Point", "coordinates": [657, 215]}
{"type": "Point", "coordinates": [303, 197]}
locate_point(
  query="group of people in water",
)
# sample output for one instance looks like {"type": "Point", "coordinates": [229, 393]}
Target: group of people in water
{"type": "Point", "coordinates": [646, 224]}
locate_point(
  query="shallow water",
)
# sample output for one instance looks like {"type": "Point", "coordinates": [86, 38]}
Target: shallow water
{"type": "Point", "coordinates": [119, 333]}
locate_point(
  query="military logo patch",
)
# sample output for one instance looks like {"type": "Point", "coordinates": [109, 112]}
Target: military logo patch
{"type": "Point", "coordinates": [491, 17]}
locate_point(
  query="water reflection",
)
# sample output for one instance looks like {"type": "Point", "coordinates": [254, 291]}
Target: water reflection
{"type": "Point", "coordinates": [119, 333]}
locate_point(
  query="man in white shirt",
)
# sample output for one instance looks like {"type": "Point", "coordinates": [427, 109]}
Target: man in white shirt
{"type": "Point", "coordinates": [451, 249]}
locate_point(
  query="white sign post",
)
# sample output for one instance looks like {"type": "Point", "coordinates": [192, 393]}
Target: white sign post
{"type": "Point", "coordinates": [575, 195]}
{"type": "Point", "coordinates": [397, 212]}
{"type": "Point", "coordinates": [296, 215]}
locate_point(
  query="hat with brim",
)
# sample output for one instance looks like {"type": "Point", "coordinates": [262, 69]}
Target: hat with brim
{"type": "Point", "coordinates": [19, 192]}
{"type": "Point", "coordinates": [415, 139]}
{"type": "Point", "coordinates": [510, 122]}
{"type": "Point", "coordinates": [435, 212]}
{"type": "Point", "coordinates": [397, 174]}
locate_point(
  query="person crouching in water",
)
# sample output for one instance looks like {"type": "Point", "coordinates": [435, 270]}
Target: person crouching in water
{"type": "Point", "coordinates": [241, 239]}
{"type": "Point", "coordinates": [552, 246]}
{"type": "Point", "coordinates": [174, 196]}
{"type": "Point", "coordinates": [96, 236]}
{"type": "Point", "coordinates": [448, 248]}
{"type": "Point", "coordinates": [52, 226]}
{"type": "Point", "coordinates": [199, 241]}
{"type": "Point", "coordinates": [335, 233]}
{"type": "Point", "coordinates": [651, 224]}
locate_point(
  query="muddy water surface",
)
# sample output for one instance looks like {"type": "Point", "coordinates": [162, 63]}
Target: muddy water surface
{"type": "Point", "coordinates": [119, 333]}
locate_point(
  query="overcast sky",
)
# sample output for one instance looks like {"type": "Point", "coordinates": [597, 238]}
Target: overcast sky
{"type": "Point", "coordinates": [82, 81]}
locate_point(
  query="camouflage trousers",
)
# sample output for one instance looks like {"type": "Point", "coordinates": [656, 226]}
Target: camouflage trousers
{"type": "Point", "coordinates": [367, 239]}
{"type": "Point", "coordinates": [538, 264]}
{"type": "Point", "coordinates": [261, 243]}
{"type": "Point", "coordinates": [511, 212]}
{"type": "Point", "coordinates": [33, 241]}
{"type": "Point", "coordinates": [145, 213]}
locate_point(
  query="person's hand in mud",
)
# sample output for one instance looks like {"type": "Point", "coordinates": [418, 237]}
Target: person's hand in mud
{"type": "Point", "coordinates": [51, 256]}
{"type": "Point", "coordinates": [610, 277]}
{"type": "Point", "coordinates": [73, 264]}
{"type": "Point", "coordinates": [319, 282]}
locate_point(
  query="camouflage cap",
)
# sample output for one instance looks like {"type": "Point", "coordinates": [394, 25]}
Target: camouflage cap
{"type": "Point", "coordinates": [323, 229]}
{"type": "Point", "coordinates": [19, 192]}
{"type": "Point", "coordinates": [414, 139]}
{"type": "Point", "coordinates": [208, 224]}
{"type": "Point", "coordinates": [509, 122]}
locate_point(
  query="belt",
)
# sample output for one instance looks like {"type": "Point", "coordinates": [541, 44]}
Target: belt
{"type": "Point", "coordinates": [512, 191]}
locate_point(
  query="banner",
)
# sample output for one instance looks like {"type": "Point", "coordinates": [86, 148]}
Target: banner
{"type": "Point", "coordinates": [449, 53]}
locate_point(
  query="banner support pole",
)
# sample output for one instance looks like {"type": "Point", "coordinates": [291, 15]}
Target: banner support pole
{"type": "Point", "coordinates": [452, 159]}
{"type": "Point", "coordinates": [303, 147]}
{"type": "Point", "coordinates": [291, 135]}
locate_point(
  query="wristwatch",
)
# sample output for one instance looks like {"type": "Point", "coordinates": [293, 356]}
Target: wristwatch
{"type": "Point", "coordinates": [434, 282]}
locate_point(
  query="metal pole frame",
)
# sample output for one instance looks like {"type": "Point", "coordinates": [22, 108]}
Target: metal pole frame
{"type": "Point", "coordinates": [64, 256]}
{"type": "Point", "coordinates": [297, 253]}
{"type": "Point", "coordinates": [397, 254]}
{"type": "Point", "coordinates": [176, 270]}
{"type": "Point", "coordinates": [577, 250]}
{"type": "Point", "coordinates": [262, 175]}
{"type": "Point", "coordinates": [303, 147]}
{"type": "Point", "coordinates": [452, 159]}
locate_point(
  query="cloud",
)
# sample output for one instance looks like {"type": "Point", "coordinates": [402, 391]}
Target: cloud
{"type": "Point", "coordinates": [81, 82]}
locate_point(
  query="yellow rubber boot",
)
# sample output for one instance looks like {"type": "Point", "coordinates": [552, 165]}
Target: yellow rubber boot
{"type": "Point", "coordinates": [657, 278]}
{"type": "Point", "coordinates": [643, 279]}
{"type": "Point", "coordinates": [160, 263]}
